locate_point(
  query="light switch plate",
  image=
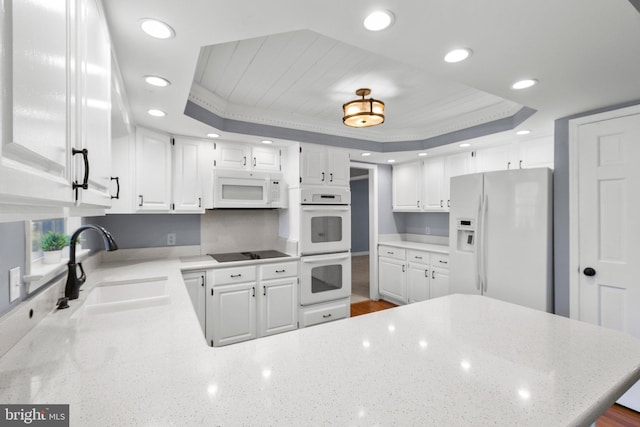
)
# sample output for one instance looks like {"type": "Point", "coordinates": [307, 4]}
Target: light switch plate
{"type": "Point", "coordinates": [14, 284]}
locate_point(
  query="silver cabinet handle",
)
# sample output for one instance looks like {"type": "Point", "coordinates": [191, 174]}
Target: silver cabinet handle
{"type": "Point", "coordinates": [326, 316]}
{"type": "Point", "coordinates": [322, 176]}
{"type": "Point", "coordinates": [281, 271]}
{"type": "Point", "coordinates": [426, 273]}
{"type": "Point", "coordinates": [331, 177]}
{"type": "Point", "coordinates": [236, 275]}
{"type": "Point", "coordinates": [199, 202]}
{"type": "Point", "coordinates": [253, 288]}
{"type": "Point", "coordinates": [443, 262]}
{"type": "Point", "coordinates": [433, 274]}
{"type": "Point", "coordinates": [254, 162]}
{"type": "Point", "coordinates": [202, 277]}
{"type": "Point", "coordinates": [418, 204]}
{"type": "Point", "coordinates": [264, 291]}
{"type": "Point", "coordinates": [141, 200]}
{"type": "Point", "coordinates": [441, 203]}
{"type": "Point", "coordinates": [417, 257]}
{"type": "Point", "coordinates": [244, 161]}
{"type": "Point", "coordinates": [403, 268]}
{"type": "Point", "coordinates": [390, 253]}
{"type": "Point", "coordinates": [448, 203]}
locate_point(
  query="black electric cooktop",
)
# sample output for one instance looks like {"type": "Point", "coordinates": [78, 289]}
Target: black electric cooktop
{"type": "Point", "coordinates": [247, 256]}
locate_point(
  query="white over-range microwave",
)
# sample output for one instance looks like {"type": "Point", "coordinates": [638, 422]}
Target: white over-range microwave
{"type": "Point", "coordinates": [243, 189]}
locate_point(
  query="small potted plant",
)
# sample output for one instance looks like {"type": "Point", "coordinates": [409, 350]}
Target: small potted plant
{"type": "Point", "coordinates": [52, 245]}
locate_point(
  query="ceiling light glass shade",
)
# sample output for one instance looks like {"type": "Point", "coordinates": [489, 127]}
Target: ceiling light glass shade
{"type": "Point", "coordinates": [378, 20]}
{"type": "Point", "coordinates": [363, 112]}
{"type": "Point", "coordinates": [523, 84]}
{"type": "Point", "coordinates": [457, 55]}
{"type": "Point", "coordinates": [157, 29]}
{"type": "Point", "coordinates": [156, 81]}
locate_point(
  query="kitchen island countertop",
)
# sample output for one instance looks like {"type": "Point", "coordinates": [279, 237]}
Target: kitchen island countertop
{"type": "Point", "coordinates": [457, 360]}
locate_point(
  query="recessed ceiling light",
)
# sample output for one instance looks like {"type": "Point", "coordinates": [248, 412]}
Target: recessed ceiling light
{"type": "Point", "coordinates": [523, 84]}
{"type": "Point", "coordinates": [156, 113]}
{"type": "Point", "coordinates": [523, 132]}
{"type": "Point", "coordinates": [391, 161]}
{"type": "Point", "coordinates": [465, 145]}
{"type": "Point", "coordinates": [156, 29]}
{"type": "Point", "coordinates": [266, 141]}
{"type": "Point", "coordinates": [213, 135]}
{"type": "Point", "coordinates": [365, 154]}
{"type": "Point", "coordinates": [457, 55]}
{"type": "Point", "coordinates": [378, 20]}
{"type": "Point", "coordinates": [157, 81]}
{"type": "Point", "coordinates": [422, 154]}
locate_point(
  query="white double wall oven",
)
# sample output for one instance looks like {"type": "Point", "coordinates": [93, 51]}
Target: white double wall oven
{"type": "Point", "coordinates": [325, 244]}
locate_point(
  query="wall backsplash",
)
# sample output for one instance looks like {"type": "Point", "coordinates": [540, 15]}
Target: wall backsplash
{"type": "Point", "coordinates": [12, 254]}
{"type": "Point", "coordinates": [232, 230]}
{"type": "Point", "coordinates": [427, 223]}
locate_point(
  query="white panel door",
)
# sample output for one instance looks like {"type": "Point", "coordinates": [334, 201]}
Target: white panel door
{"type": "Point", "coordinates": [418, 282]}
{"type": "Point", "coordinates": [535, 153]}
{"type": "Point", "coordinates": [433, 184]}
{"type": "Point", "coordinates": [278, 307]}
{"type": "Point", "coordinates": [392, 279]}
{"type": "Point", "coordinates": [455, 165]}
{"type": "Point", "coordinates": [233, 155]}
{"type": "Point", "coordinates": [122, 168]}
{"type": "Point", "coordinates": [609, 178]}
{"type": "Point", "coordinates": [93, 124]}
{"type": "Point", "coordinates": [338, 168]}
{"type": "Point", "coordinates": [313, 162]}
{"type": "Point", "coordinates": [494, 158]}
{"type": "Point", "coordinates": [153, 171]}
{"type": "Point", "coordinates": [439, 284]}
{"type": "Point", "coordinates": [232, 315]}
{"type": "Point", "coordinates": [187, 188]}
{"type": "Point", "coordinates": [406, 186]}
{"type": "Point", "coordinates": [265, 159]}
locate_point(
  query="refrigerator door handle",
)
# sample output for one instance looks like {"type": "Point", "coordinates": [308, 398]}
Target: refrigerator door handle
{"type": "Point", "coordinates": [485, 208]}
{"type": "Point", "coordinates": [479, 246]}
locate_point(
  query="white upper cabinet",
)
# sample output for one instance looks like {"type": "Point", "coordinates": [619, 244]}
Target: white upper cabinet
{"type": "Point", "coordinates": [533, 153]}
{"type": "Point", "coordinates": [406, 180]}
{"type": "Point", "coordinates": [123, 169]}
{"type": "Point", "coordinates": [536, 153]}
{"type": "Point", "coordinates": [455, 165]}
{"type": "Point", "coordinates": [240, 156]}
{"type": "Point", "coordinates": [493, 158]}
{"type": "Point", "coordinates": [93, 104]}
{"type": "Point", "coordinates": [59, 67]}
{"type": "Point", "coordinates": [153, 171]}
{"type": "Point", "coordinates": [189, 175]}
{"type": "Point", "coordinates": [322, 165]}
{"type": "Point", "coordinates": [433, 184]}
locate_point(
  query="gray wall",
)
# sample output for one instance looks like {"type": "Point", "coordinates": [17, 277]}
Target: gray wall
{"type": "Point", "coordinates": [12, 254]}
{"type": "Point", "coordinates": [388, 222]}
{"type": "Point", "coordinates": [427, 223]}
{"type": "Point", "coordinates": [561, 206]}
{"type": "Point", "coordinates": [360, 215]}
{"type": "Point", "coordinates": [145, 230]}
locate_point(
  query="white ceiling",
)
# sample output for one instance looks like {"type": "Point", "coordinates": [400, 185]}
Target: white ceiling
{"type": "Point", "coordinates": [583, 52]}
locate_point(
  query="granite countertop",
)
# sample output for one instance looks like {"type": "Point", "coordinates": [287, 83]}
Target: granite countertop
{"type": "Point", "coordinates": [418, 246]}
{"type": "Point", "coordinates": [457, 360]}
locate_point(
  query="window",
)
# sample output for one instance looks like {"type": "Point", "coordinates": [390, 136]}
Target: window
{"type": "Point", "coordinates": [39, 229]}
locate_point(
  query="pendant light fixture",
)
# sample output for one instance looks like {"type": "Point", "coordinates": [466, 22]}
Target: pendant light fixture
{"type": "Point", "coordinates": [361, 113]}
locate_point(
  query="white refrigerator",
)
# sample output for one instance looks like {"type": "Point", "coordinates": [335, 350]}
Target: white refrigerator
{"type": "Point", "coordinates": [500, 236]}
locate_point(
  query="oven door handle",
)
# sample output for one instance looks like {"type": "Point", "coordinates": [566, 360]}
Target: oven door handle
{"type": "Point", "coordinates": [326, 208]}
{"type": "Point", "coordinates": [322, 258]}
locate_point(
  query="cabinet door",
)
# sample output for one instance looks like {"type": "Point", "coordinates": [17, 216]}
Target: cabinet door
{"type": "Point", "coordinates": [93, 100]}
{"type": "Point", "coordinates": [278, 306]}
{"type": "Point", "coordinates": [392, 279]}
{"type": "Point", "coordinates": [265, 159]}
{"type": "Point", "coordinates": [313, 161]}
{"type": "Point", "coordinates": [122, 168]}
{"type": "Point", "coordinates": [231, 155]}
{"type": "Point", "coordinates": [439, 282]}
{"type": "Point", "coordinates": [455, 165]}
{"type": "Point", "coordinates": [406, 186]}
{"type": "Point", "coordinates": [196, 287]}
{"type": "Point", "coordinates": [433, 182]}
{"type": "Point", "coordinates": [418, 282]}
{"type": "Point", "coordinates": [153, 171]}
{"type": "Point", "coordinates": [536, 153]}
{"type": "Point", "coordinates": [231, 317]}
{"type": "Point", "coordinates": [338, 168]}
{"type": "Point", "coordinates": [494, 158]}
{"type": "Point", "coordinates": [187, 191]}
{"type": "Point", "coordinates": [35, 150]}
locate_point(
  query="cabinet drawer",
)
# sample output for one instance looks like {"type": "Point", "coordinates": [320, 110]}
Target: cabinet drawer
{"type": "Point", "coordinates": [418, 256]}
{"type": "Point", "coordinates": [440, 260]}
{"type": "Point", "coordinates": [278, 270]}
{"type": "Point", "coordinates": [225, 276]}
{"type": "Point", "coordinates": [322, 313]}
{"type": "Point", "coordinates": [391, 252]}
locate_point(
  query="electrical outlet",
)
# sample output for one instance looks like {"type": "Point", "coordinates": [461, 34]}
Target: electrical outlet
{"type": "Point", "coordinates": [171, 239]}
{"type": "Point", "coordinates": [14, 284]}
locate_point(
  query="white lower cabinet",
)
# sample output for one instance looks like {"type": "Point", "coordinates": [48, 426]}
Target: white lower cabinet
{"type": "Point", "coordinates": [195, 281]}
{"type": "Point", "coordinates": [325, 312]}
{"type": "Point", "coordinates": [407, 275]}
{"type": "Point", "coordinates": [248, 302]}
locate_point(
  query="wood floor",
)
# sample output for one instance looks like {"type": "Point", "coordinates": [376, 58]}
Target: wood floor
{"type": "Point", "coordinates": [616, 416]}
